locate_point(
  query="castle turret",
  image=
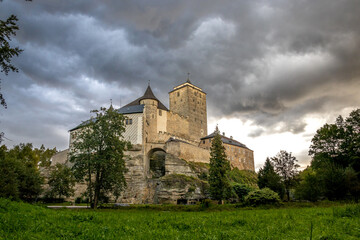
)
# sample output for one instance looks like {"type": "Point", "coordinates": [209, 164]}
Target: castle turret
{"type": "Point", "coordinates": [150, 103]}
{"type": "Point", "coordinates": [189, 101]}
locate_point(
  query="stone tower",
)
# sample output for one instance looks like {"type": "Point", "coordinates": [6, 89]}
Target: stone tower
{"type": "Point", "coordinates": [189, 101]}
{"type": "Point", "coordinates": [150, 103]}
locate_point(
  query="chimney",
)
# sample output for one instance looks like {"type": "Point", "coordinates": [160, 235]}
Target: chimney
{"type": "Point", "coordinates": [223, 133]}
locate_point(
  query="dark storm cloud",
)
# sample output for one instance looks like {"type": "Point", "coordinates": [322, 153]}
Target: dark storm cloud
{"type": "Point", "coordinates": [269, 61]}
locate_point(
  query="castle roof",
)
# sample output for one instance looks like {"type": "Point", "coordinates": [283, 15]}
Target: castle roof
{"type": "Point", "coordinates": [226, 140]}
{"type": "Point", "coordinates": [147, 95]}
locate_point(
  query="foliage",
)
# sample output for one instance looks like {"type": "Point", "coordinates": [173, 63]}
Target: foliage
{"type": "Point", "coordinates": [219, 166]}
{"type": "Point", "coordinates": [335, 152]}
{"type": "Point", "coordinates": [8, 29]}
{"type": "Point", "coordinates": [286, 166]}
{"type": "Point", "coordinates": [262, 196]}
{"type": "Point", "coordinates": [201, 169]}
{"type": "Point", "coordinates": [61, 181]}
{"type": "Point", "coordinates": [98, 154]}
{"type": "Point", "coordinates": [309, 186]}
{"type": "Point", "coordinates": [24, 221]}
{"type": "Point", "coordinates": [267, 177]}
{"type": "Point", "coordinates": [21, 177]}
{"type": "Point", "coordinates": [241, 190]}
{"type": "Point", "coordinates": [246, 177]}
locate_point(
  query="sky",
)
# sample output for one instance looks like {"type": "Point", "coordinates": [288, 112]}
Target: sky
{"type": "Point", "coordinates": [274, 71]}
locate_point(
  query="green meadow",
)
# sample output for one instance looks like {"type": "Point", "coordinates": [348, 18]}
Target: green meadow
{"type": "Point", "coordinates": [25, 221]}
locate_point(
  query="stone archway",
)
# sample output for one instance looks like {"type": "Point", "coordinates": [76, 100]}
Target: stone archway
{"type": "Point", "coordinates": [156, 158]}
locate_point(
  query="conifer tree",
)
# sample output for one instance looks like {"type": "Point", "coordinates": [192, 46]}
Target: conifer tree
{"type": "Point", "coordinates": [219, 166]}
{"type": "Point", "coordinates": [268, 178]}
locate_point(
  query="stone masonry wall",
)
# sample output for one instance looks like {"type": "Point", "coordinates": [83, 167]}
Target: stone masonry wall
{"type": "Point", "coordinates": [177, 125]}
{"type": "Point", "coordinates": [188, 151]}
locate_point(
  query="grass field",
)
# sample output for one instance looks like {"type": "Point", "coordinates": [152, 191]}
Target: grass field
{"type": "Point", "coordinates": [24, 221]}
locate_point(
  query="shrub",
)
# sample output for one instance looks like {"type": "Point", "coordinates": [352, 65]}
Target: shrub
{"type": "Point", "coordinates": [262, 196]}
{"type": "Point", "coordinates": [241, 190]}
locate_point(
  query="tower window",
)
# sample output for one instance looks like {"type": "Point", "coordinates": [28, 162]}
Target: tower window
{"type": "Point", "coordinates": [160, 112]}
{"type": "Point", "coordinates": [178, 94]}
{"type": "Point", "coordinates": [128, 121]}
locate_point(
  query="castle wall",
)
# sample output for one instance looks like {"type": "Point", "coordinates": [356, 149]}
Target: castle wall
{"type": "Point", "coordinates": [162, 120]}
{"type": "Point", "coordinates": [177, 125]}
{"type": "Point", "coordinates": [188, 151]}
{"type": "Point", "coordinates": [239, 157]}
{"type": "Point", "coordinates": [133, 131]}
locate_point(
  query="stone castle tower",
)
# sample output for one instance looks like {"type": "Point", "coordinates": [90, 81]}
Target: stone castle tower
{"type": "Point", "coordinates": [189, 101]}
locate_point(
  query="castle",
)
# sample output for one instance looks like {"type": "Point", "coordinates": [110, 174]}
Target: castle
{"type": "Point", "coordinates": [165, 140]}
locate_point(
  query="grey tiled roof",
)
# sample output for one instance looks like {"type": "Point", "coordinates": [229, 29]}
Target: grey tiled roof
{"type": "Point", "coordinates": [227, 140]}
{"type": "Point", "coordinates": [147, 95]}
{"type": "Point", "coordinates": [123, 110]}
{"type": "Point", "coordinates": [131, 109]}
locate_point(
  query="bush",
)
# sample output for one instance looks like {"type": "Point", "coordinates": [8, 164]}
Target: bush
{"type": "Point", "coordinates": [241, 190]}
{"type": "Point", "coordinates": [262, 196]}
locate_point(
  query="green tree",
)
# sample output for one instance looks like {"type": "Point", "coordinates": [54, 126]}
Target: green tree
{"type": "Point", "coordinates": [61, 181]}
{"type": "Point", "coordinates": [98, 154]}
{"type": "Point", "coordinates": [309, 187]}
{"type": "Point", "coordinates": [8, 29]}
{"type": "Point", "coordinates": [21, 178]}
{"type": "Point", "coordinates": [268, 178]}
{"type": "Point", "coordinates": [335, 152]}
{"type": "Point", "coordinates": [219, 166]}
{"type": "Point", "coordinates": [286, 166]}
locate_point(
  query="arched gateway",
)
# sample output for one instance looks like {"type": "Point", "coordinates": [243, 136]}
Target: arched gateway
{"type": "Point", "coordinates": [156, 158]}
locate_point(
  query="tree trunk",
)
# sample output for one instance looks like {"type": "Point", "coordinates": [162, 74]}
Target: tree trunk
{"type": "Point", "coordinates": [97, 190]}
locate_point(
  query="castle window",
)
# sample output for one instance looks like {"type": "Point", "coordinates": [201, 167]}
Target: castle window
{"type": "Point", "coordinates": [160, 112]}
{"type": "Point", "coordinates": [200, 95]}
{"type": "Point", "coordinates": [178, 94]}
{"type": "Point", "coordinates": [203, 141]}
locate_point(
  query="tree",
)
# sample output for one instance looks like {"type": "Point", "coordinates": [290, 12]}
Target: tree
{"type": "Point", "coordinates": [335, 152]}
{"type": "Point", "coordinates": [21, 177]}
{"type": "Point", "coordinates": [8, 29]}
{"type": "Point", "coordinates": [98, 154]}
{"type": "Point", "coordinates": [309, 187]}
{"type": "Point", "coordinates": [61, 181]}
{"type": "Point", "coordinates": [268, 178]}
{"type": "Point", "coordinates": [285, 165]}
{"type": "Point", "coordinates": [219, 166]}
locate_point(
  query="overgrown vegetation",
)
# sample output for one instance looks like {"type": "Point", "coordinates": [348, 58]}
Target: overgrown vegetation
{"type": "Point", "coordinates": [24, 221]}
{"type": "Point", "coordinates": [20, 174]}
{"type": "Point", "coordinates": [245, 177]}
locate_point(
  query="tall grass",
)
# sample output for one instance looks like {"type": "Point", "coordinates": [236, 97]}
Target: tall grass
{"type": "Point", "coordinates": [24, 221]}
